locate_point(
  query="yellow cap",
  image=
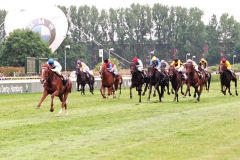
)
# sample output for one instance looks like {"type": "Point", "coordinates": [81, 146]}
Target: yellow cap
{"type": "Point", "coordinates": [154, 58]}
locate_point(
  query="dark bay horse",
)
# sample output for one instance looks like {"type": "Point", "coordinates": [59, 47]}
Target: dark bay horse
{"type": "Point", "coordinates": [194, 80]}
{"type": "Point", "coordinates": [83, 79]}
{"type": "Point", "coordinates": [137, 80]}
{"type": "Point", "coordinates": [107, 82]}
{"type": "Point", "coordinates": [155, 79]}
{"type": "Point", "coordinates": [52, 84]}
{"type": "Point", "coordinates": [176, 81]}
{"type": "Point", "coordinates": [226, 77]}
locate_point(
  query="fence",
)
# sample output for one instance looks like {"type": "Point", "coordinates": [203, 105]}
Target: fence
{"type": "Point", "coordinates": [12, 85]}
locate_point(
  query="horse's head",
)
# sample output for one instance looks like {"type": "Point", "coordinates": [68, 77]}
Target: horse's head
{"type": "Point", "coordinates": [222, 68]}
{"type": "Point", "coordinates": [45, 72]}
{"type": "Point", "coordinates": [189, 67]}
{"type": "Point", "coordinates": [171, 70]}
{"type": "Point", "coordinates": [151, 71]}
{"type": "Point", "coordinates": [133, 67]}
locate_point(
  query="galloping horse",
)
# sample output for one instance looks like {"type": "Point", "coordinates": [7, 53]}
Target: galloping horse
{"type": "Point", "coordinates": [194, 80]}
{"type": "Point", "coordinates": [176, 81]}
{"type": "Point", "coordinates": [226, 77]}
{"type": "Point", "coordinates": [207, 76]}
{"type": "Point", "coordinates": [118, 80]}
{"type": "Point", "coordinates": [155, 79]}
{"type": "Point", "coordinates": [53, 85]}
{"type": "Point", "coordinates": [107, 81]}
{"type": "Point", "coordinates": [137, 80]}
{"type": "Point", "coordinates": [83, 79]}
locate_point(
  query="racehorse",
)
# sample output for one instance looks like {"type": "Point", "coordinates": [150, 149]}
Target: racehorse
{"type": "Point", "coordinates": [118, 80]}
{"type": "Point", "coordinates": [226, 77]}
{"type": "Point", "coordinates": [155, 79]}
{"type": "Point", "coordinates": [107, 81]}
{"type": "Point", "coordinates": [194, 80]}
{"type": "Point", "coordinates": [53, 84]}
{"type": "Point", "coordinates": [83, 79]}
{"type": "Point", "coordinates": [207, 76]}
{"type": "Point", "coordinates": [137, 80]}
{"type": "Point", "coordinates": [176, 81]}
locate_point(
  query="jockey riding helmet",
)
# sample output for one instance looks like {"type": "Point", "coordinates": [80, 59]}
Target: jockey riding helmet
{"type": "Point", "coordinates": [78, 61]}
{"type": "Point", "coordinates": [223, 60]}
{"type": "Point", "coordinates": [154, 58]}
{"type": "Point", "coordinates": [135, 60]}
{"type": "Point", "coordinates": [106, 61]}
{"type": "Point", "coordinates": [50, 61]}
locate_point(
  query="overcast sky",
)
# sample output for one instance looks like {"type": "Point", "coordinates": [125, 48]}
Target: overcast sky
{"type": "Point", "coordinates": [208, 6]}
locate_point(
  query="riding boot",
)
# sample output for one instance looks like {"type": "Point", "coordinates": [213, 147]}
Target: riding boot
{"type": "Point", "coordinates": [64, 80]}
{"type": "Point", "coordinates": [142, 73]}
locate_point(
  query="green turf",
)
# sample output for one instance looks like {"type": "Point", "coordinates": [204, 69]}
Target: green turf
{"type": "Point", "coordinates": [121, 128]}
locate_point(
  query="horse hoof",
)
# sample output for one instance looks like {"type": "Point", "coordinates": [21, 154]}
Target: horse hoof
{"type": "Point", "coordinates": [236, 94]}
{"type": "Point", "coordinates": [51, 110]}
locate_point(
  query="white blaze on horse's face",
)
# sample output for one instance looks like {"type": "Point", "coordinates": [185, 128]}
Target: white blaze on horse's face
{"type": "Point", "coordinates": [42, 75]}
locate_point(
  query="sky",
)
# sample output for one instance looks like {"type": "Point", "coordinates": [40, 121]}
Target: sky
{"type": "Point", "coordinates": [209, 7]}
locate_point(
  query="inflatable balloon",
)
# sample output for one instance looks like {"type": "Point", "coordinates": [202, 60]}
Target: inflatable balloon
{"type": "Point", "coordinates": [51, 23]}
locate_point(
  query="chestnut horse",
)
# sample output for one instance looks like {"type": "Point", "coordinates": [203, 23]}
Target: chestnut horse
{"type": "Point", "coordinates": [107, 81]}
{"type": "Point", "coordinates": [226, 77]}
{"type": "Point", "coordinates": [53, 84]}
{"type": "Point", "coordinates": [194, 80]}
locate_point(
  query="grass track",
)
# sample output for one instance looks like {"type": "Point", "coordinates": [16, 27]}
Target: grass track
{"type": "Point", "coordinates": [121, 128]}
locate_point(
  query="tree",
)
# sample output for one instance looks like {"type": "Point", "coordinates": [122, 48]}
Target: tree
{"type": "Point", "coordinates": [21, 44]}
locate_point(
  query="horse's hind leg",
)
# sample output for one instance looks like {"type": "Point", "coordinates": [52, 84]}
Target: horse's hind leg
{"type": "Point", "coordinates": [236, 88]}
{"type": "Point", "coordinates": [229, 89]}
{"type": "Point", "coordinates": [64, 103]}
{"type": "Point", "coordinates": [62, 107]}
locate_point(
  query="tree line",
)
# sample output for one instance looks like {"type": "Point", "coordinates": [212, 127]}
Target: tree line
{"type": "Point", "coordinates": [137, 30]}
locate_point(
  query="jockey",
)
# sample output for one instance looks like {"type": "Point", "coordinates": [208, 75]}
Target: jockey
{"type": "Point", "coordinates": [83, 67]}
{"type": "Point", "coordinates": [138, 64]}
{"type": "Point", "coordinates": [203, 64]}
{"type": "Point", "coordinates": [177, 63]}
{"type": "Point", "coordinates": [157, 61]}
{"type": "Point", "coordinates": [226, 63]}
{"type": "Point", "coordinates": [56, 66]}
{"type": "Point", "coordinates": [164, 66]}
{"type": "Point", "coordinates": [194, 64]}
{"type": "Point", "coordinates": [111, 67]}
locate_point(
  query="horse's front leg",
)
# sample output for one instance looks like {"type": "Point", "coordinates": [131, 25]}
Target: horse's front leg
{"type": "Point", "coordinates": [229, 89]}
{"type": "Point", "coordinates": [64, 103]}
{"type": "Point", "coordinates": [187, 90]}
{"type": "Point", "coordinates": [44, 95]}
{"type": "Point", "coordinates": [145, 89]}
{"type": "Point", "coordinates": [102, 91]}
{"type": "Point", "coordinates": [131, 91]}
{"type": "Point", "coordinates": [150, 92]}
{"type": "Point", "coordinates": [52, 98]}
{"type": "Point", "coordinates": [140, 93]}
{"type": "Point", "coordinates": [160, 94]}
